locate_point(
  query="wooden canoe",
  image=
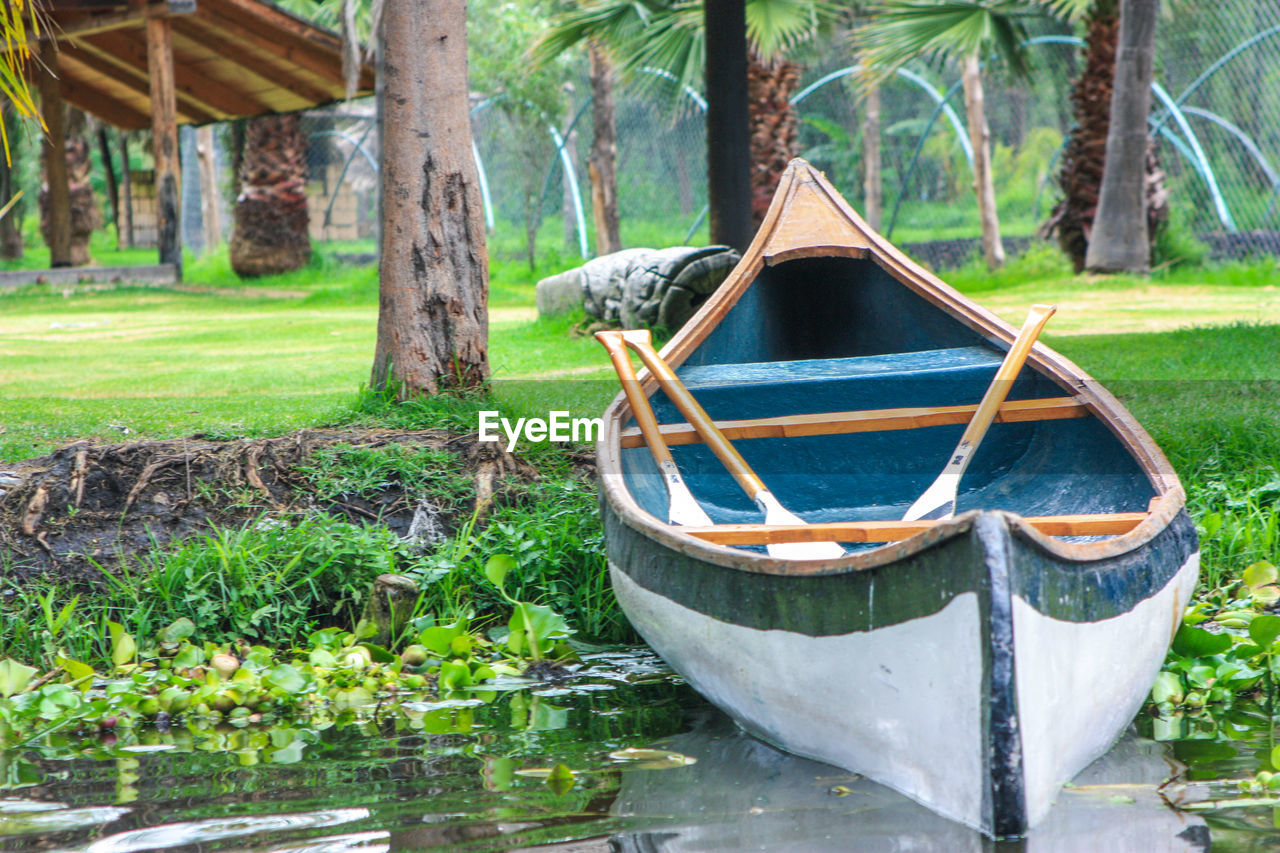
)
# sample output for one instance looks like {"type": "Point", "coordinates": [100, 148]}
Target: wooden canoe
{"type": "Point", "coordinates": [975, 663]}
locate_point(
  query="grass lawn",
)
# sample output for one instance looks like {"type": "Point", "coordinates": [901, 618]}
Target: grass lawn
{"type": "Point", "coordinates": [1190, 351]}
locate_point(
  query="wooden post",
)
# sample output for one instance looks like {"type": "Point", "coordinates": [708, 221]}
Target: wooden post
{"type": "Point", "coordinates": [728, 123]}
{"type": "Point", "coordinates": [55, 158]}
{"type": "Point", "coordinates": [164, 131]}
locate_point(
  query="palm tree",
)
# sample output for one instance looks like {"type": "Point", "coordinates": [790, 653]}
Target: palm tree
{"type": "Point", "coordinates": [1121, 240]}
{"type": "Point", "coordinates": [270, 233]}
{"type": "Point", "coordinates": [1085, 154]}
{"type": "Point", "coordinates": [670, 35]}
{"type": "Point", "coordinates": [964, 31]}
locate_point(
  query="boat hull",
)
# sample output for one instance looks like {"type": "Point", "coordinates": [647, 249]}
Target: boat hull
{"type": "Point", "coordinates": [975, 675]}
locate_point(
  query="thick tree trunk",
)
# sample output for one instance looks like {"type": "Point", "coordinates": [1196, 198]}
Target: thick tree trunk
{"type": "Point", "coordinates": [11, 224]}
{"type": "Point", "coordinates": [164, 140]}
{"type": "Point", "coordinates": [872, 185]}
{"type": "Point", "coordinates": [983, 182]}
{"type": "Point", "coordinates": [774, 133]}
{"type": "Point", "coordinates": [602, 164]}
{"type": "Point", "coordinates": [728, 123]}
{"type": "Point", "coordinates": [270, 233]}
{"type": "Point", "coordinates": [1119, 242]}
{"type": "Point", "coordinates": [433, 305]}
{"type": "Point", "coordinates": [58, 193]}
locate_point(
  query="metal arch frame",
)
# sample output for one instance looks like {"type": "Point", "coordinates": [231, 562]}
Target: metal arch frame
{"type": "Point", "coordinates": [1243, 138]}
{"type": "Point", "coordinates": [1191, 149]}
{"type": "Point", "coordinates": [938, 98]}
{"type": "Point", "coordinates": [357, 147]}
{"type": "Point", "coordinates": [570, 174]}
{"type": "Point", "coordinates": [1218, 64]}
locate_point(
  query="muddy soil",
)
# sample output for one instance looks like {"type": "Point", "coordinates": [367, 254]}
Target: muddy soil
{"type": "Point", "coordinates": [86, 508]}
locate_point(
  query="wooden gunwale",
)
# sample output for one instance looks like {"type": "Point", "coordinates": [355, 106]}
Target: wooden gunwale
{"type": "Point", "coordinates": [1094, 524]}
{"type": "Point", "coordinates": [819, 237]}
{"type": "Point", "coordinates": [866, 420]}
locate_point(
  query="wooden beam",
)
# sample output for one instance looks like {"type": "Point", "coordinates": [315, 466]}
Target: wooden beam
{"type": "Point", "coordinates": [321, 59]}
{"type": "Point", "coordinates": [1098, 524]}
{"type": "Point", "coordinates": [164, 132]}
{"type": "Point", "coordinates": [103, 105]}
{"type": "Point", "coordinates": [55, 158]}
{"type": "Point", "coordinates": [869, 420]}
{"type": "Point", "coordinates": [211, 94]}
{"type": "Point", "coordinates": [252, 63]}
{"type": "Point", "coordinates": [135, 79]}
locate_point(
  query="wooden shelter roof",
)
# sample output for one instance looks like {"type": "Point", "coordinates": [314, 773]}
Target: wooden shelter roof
{"type": "Point", "coordinates": [232, 59]}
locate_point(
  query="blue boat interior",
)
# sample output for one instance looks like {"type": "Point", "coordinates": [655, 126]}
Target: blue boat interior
{"type": "Point", "coordinates": [841, 334]}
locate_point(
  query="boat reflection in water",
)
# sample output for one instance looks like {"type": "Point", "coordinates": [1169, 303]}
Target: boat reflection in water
{"type": "Point", "coordinates": [745, 795]}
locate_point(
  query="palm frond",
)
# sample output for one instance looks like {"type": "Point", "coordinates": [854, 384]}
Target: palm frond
{"type": "Point", "coordinates": [899, 31]}
{"type": "Point", "coordinates": [20, 22]}
{"type": "Point", "coordinates": [775, 27]}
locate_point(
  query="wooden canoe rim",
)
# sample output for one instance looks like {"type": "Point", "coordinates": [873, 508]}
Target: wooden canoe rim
{"type": "Point", "coordinates": [807, 219]}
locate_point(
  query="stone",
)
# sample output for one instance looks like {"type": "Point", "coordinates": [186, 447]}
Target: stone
{"type": "Point", "coordinates": [560, 294]}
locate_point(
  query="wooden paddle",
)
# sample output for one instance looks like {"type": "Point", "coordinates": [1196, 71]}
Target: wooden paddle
{"type": "Point", "coordinates": [939, 500]}
{"type": "Point", "coordinates": [682, 508]}
{"type": "Point", "coordinates": [774, 513]}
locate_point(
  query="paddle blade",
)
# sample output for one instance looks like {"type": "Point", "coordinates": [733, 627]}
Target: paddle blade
{"type": "Point", "coordinates": [683, 507]}
{"type": "Point", "coordinates": [937, 502]}
{"type": "Point", "coordinates": [776, 513]}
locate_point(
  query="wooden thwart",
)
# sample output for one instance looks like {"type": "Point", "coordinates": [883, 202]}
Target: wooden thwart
{"type": "Point", "coordinates": [1099, 524]}
{"type": "Point", "coordinates": [869, 420]}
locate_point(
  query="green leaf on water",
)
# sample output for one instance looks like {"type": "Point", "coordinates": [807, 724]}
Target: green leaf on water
{"type": "Point", "coordinates": [439, 638]}
{"type": "Point", "coordinates": [14, 677]}
{"type": "Point", "coordinates": [1198, 643]}
{"type": "Point", "coordinates": [123, 648]}
{"type": "Point", "coordinates": [1168, 688]}
{"type": "Point", "coordinates": [1259, 574]}
{"type": "Point", "coordinates": [1264, 629]}
{"type": "Point", "coordinates": [188, 656]}
{"type": "Point", "coordinates": [284, 677]}
{"type": "Point", "coordinates": [497, 567]}
{"type": "Point", "coordinates": [560, 780]}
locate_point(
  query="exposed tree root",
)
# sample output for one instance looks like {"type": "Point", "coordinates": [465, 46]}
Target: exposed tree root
{"type": "Point", "coordinates": [86, 508]}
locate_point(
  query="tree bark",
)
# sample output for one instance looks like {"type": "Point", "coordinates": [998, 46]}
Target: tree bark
{"type": "Point", "coordinates": [983, 182]}
{"type": "Point", "coordinates": [872, 184]}
{"type": "Point", "coordinates": [164, 138]}
{"type": "Point", "coordinates": [775, 137]}
{"type": "Point", "coordinates": [270, 232]}
{"type": "Point", "coordinates": [211, 212]}
{"type": "Point", "coordinates": [602, 163]}
{"type": "Point", "coordinates": [728, 123]}
{"type": "Point", "coordinates": [1119, 242]}
{"type": "Point", "coordinates": [11, 224]}
{"type": "Point", "coordinates": [433, 301]}
{"type": "Point", "coordinates": [58, 236]}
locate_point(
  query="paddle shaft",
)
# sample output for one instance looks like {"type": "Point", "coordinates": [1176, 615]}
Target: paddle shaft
{"type": "Point", "coordinates": [1003, 381]}
{"type": "Point", "coordinates": [640, 341]}
{"type": "Point", "coordinates": [938, 501]}
{"type": "Point", "coordinates": [683, 508]}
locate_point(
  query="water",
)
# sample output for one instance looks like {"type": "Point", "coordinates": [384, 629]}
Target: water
{"type": "Point", "coordinates": [472, 777]}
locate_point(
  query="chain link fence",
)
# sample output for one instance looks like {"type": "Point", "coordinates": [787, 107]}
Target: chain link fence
{"type": "Point", "coordinates": [1216, 114]}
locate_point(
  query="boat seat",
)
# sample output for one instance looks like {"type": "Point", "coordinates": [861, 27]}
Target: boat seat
{"type": "Point", "coordinates": [940, 377]}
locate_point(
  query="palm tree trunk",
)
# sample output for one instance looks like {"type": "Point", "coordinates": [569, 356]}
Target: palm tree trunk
{"type": "Point", "coordinates": [602, 163]}
{"type": "Point", "coordinates": [983, 182]}
{"type": "Point", "coordinates": [270, 232]}
{"type": "Point", "coordinates": [872, 185]}
{"type": "Point", "coordinates": [11, 224]}
{"type": "Point", "coordinates": [433, 325]}
{"type": "Point", "coordinates": [1120, 241]}
{"type": "Point", "coordinates": [774, 135]}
